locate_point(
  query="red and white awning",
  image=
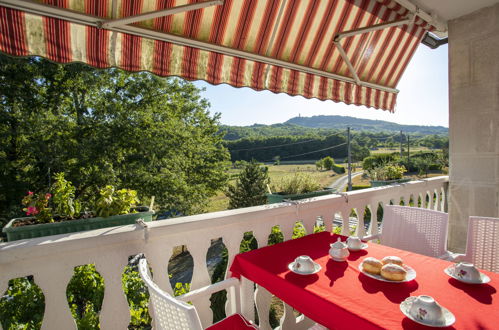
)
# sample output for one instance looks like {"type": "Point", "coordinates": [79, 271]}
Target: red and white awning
{"type": "Point", "coordinates": [351, 51]}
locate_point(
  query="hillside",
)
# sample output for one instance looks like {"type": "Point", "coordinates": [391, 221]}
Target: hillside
{"type": "Point", "coordinates": [342, 122]}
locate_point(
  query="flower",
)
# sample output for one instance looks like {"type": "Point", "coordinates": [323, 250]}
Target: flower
{"type": "Point", "coordinates": [32, 210]}
{"type": "Point", "coordinates": [30, 193]}
{"type": "Point", "coordinates": [48, 195]}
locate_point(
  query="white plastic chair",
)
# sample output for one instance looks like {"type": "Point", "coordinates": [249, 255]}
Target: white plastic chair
{"type": "Point", "coordinates": [482, 245]}
{"type": "Point", "coordinates": [171, 313]}
{"type": "Point", "coordinates": [415, 229]}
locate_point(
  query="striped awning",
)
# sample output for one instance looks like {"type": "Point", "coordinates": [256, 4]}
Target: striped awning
{"type": "Point", "coordinates": [351, 51]}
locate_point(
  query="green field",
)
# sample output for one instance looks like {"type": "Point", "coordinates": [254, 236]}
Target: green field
{"type": "Point", "coordinates": [276, 173]}
{"type": "Point", "coordinates": [397, 149]}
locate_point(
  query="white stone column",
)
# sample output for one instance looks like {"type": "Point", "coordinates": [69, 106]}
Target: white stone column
{"type": "Point", "coordinates": [473, 120]}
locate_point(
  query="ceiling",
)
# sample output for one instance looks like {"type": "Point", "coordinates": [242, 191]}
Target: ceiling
{"type": "Point", "coordinates": [450, 9]}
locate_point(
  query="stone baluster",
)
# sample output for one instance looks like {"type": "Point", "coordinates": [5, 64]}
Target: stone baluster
{"type": "Point", "coordinates": [263, 299]}
{"type": "Point", "coordinates": [309, 222]}
{"type": "Point", "coordinates": [345, 215]}
{"type": "Point", "coordinates": [158, 254]}
{"type": "Point", "coordinates": [261, 295]}
{"type": "Point", "coordinates": [288, 319]}
{"type": "Point", "coordinates": [115, 313]}
{"type": "Point", "coordinates": [328, 218]}
{"type": "Point", "coordinates": [53, 280]}
{"type": "Point", "coordinates": [232, 243]}
{"type": "Point", "coordinates": [200, 278]}
{"type": "Point", "coordinates": [4, 285]}
{"type": "Point", "coordinates": [360, 231]}
{"type": "Point", "coordinates": [373, 225]}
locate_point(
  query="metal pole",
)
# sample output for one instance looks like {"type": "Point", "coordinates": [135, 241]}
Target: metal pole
{"type": "Point", "coordinates": [401, 147]}
{"type": "Point", "coordinates": [349, 162]}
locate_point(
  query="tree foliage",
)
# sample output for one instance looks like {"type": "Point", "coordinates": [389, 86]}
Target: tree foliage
{"type": "Point", "coordinates": [250, 187]}
{"type": "Point", "coordinates": [101, 127]}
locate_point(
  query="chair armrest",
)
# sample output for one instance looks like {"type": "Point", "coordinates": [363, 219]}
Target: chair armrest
{"type": "Point", "coordinates": [372, 237]}
{"type": "Point", "coordinates": [210, 289]}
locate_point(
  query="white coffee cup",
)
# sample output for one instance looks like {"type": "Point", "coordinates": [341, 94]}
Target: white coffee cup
{"type": "Point", "coordinates": [304, 264]}
{"type": "Point", "coordinates": [426, 309]}
{"type": "Point", "coordinates": [354, 242]}
{"type": "Point", "coordinates": [467, 271]}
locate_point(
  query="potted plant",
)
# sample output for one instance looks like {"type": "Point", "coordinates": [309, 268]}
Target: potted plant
{"type": "Point", "coordinates": [299, 186]}
{"type": "Point", "coordinates": [59, 212]}
{"type": "Point", "coordinates": [387, 174]}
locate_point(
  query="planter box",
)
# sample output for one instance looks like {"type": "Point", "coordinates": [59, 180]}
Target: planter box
{"type": "Point", "coordinates": [278, 198]}
{"type": "Point", "coordinates": [375, 183]}
{"type": "Point", "coordinates": [71, 226]}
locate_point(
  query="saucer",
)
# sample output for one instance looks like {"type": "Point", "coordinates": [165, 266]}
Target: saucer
{"type": "Point", "coordinates": [362, 247]}
{"type": "Point", "coordinates": [411, 274]}
{"type": "Point", "coordinates": [449, 318]}
{"type": "Point", "coordinates": [317, 268]}
{"type": "Point", "coordinates": [451, 271]}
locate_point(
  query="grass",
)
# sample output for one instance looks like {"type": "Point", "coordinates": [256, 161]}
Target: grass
{"type": "Point", "coordinates": [276, 173]}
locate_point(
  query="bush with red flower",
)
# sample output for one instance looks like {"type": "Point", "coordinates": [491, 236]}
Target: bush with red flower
{"type": "Point", "coordinates": [37, 205]}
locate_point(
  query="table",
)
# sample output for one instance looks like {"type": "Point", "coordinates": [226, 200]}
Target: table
{"type": "Point", "coordinates": [341, 297]}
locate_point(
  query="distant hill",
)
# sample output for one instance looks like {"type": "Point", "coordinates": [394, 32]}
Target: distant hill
{"type": "Point", "coordinates": [358, 124]}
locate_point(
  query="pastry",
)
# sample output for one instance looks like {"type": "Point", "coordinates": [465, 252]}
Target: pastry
{"type": "Point", "coordinates": [372, 265]}
{"type": "Point", "coordinates": [392, 260]}
{"type": "Point", "coordinates": [393, 272]}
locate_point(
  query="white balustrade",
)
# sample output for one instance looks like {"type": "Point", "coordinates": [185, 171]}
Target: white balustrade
{"type": "Point", "coordinates": [51, 260]}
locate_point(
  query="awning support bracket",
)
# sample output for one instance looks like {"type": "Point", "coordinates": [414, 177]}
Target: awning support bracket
{"type": "Point", "coordinates": [337, 39]}
{"type": "Point", "coordinates": [157, 13]}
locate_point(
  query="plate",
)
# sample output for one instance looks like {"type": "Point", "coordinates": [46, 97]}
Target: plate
{"type": "Point", "coordinates": [411, 274]}
{"type": "Point", "coordinates": [405, 307]}
{"type": "Point", "coordinates": [317, 268]}
{"type": "Point", "coordinates": [362, 247]}
{"type": "Point", "coordinates": [451, 271]}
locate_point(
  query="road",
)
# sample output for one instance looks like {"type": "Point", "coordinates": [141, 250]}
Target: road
{"type": "Point", "coordinates": [340, 184]}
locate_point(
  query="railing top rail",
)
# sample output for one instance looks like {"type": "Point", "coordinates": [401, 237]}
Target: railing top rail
{"type": "Point", "coordinates": [239, 218]}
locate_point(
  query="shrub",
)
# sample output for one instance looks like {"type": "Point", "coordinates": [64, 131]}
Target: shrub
{"type": "Point", "coordinates": [300, 183]}
{"type": "Point", "coordinates": [378, 160]}
{"type": "Point", "coordinates": [338, 169]}
{"type": "Point", "coordinates": [387, 172]}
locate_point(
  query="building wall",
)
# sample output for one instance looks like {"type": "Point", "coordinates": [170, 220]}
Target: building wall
{"type": "Point", "coordinates": [473, 120]}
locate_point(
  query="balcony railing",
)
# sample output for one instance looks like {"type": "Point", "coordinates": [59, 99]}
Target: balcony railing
{"type": "Point", "coordinates": [51, 260]}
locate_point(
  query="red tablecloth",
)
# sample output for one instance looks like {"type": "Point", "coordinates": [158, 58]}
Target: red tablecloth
{"type": "Point", "coordinates": [341, 297]}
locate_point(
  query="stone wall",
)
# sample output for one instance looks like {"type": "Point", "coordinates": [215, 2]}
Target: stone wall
{"type": "Point", "coordinates": [473, 120]}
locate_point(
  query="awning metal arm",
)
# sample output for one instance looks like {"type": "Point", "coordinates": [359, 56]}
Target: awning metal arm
{"type": "Point", "coordinates": [375, 27]}
{"type": "Point", "coordinates": [409, 20]}
{"type": "Point", "coordinates": [158, 13]}
{"type": "Point", "coordinates": [40, 9]}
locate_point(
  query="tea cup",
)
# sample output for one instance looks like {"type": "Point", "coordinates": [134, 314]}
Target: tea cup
{"type": "Point", "coordinates": [304, 264]}
{"type": "Point", "coordinates": [354, 243]}
{"type": "Point", "coordinates": [467, 272]}
{"type": "Point", "coordinates": [426, 309]}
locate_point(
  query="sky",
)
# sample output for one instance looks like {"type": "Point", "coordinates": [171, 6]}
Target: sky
{"type": "Point", "coordinates": [422, 100]}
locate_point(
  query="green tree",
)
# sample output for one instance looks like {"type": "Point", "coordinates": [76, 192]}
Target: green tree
{"type": "Point", "coordinates": [328, 163]}
{"type": "Point", "coordinates": [132, 130]}
{"type": "Point", "coordinates": [250, 187]}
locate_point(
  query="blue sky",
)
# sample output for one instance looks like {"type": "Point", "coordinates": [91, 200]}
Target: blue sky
{"type": "Point", "coordinates": [423, 98]}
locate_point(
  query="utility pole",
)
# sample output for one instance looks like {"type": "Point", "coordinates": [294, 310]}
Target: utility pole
{"type": "Point", "coordinates": [401, 141]}
{"type": "Point", "coordinates": [408, 152]}
{"type": "Point", "coordinates": [349, 162]}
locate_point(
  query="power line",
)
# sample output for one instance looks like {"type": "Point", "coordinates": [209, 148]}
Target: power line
{"type": "Point", "coordinates": [283, 145]}
{"type": "Point", "coordinates": [311, 152]}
